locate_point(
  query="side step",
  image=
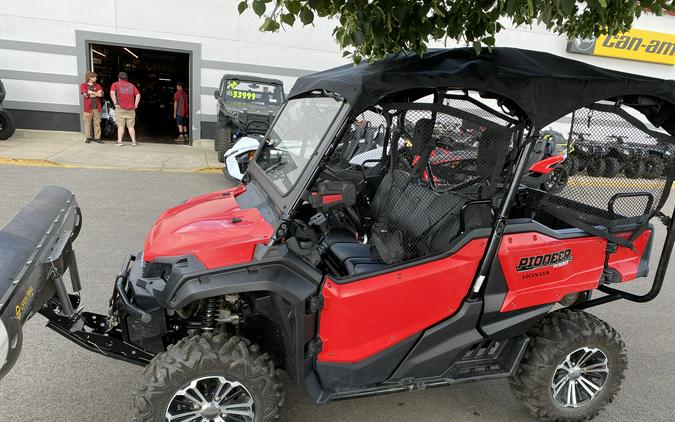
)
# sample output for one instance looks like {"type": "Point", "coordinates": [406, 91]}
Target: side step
{"type": "Point", "coordinates": [486, 360]}
{"type": "Point", "coordinates": [490, 359]}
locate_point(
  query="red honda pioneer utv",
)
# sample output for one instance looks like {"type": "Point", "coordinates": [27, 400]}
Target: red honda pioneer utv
{"type": "Point", "coordinates": [425, 265]}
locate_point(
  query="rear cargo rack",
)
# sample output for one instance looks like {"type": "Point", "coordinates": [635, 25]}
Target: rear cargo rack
{"type": "Point", "coordinates": [614, 294]}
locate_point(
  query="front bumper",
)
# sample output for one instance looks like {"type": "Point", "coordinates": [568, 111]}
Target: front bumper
{"type": "Point", "coordinates": [141, 318]}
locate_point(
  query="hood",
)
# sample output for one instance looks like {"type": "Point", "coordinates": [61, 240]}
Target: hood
{"type": "Point", "coordinates": [212, 228]}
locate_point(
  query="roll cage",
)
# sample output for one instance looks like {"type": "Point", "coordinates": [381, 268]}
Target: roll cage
{"type": "Point", "coordinates": [517, 116]}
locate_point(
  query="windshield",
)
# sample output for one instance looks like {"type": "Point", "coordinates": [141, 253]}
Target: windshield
{"type": "Point", "coordinates": [292, 140]}
{"type": "Point", "coordinates": [259, 93]}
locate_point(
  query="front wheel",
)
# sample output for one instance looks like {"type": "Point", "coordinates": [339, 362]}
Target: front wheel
{"type": "Point", "coordinates": [209, 378]}
{"type": "Point", "coordinates": [223, 141]}
{"type": "Point", "coordinates": [572, 368]}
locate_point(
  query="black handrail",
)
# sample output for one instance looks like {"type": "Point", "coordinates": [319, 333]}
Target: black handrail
{"type": "Point", "coordinates": [614, 294]}
{"type": "Point", "coordinates": [612, 200]}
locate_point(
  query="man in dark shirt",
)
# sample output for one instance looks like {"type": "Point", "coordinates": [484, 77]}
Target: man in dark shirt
{"type": "Point", "coordinates": [92, 93]}
{"type": "Point", "coordinates": [180, 112]}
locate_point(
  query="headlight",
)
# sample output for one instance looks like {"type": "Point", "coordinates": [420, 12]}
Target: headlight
{"type": "Point", "coordinates": [233, 113]}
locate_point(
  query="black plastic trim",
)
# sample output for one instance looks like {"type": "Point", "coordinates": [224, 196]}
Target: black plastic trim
{"type": "Point", "coordinates": [509, 324]}
{"type": "Point", "coordinates": [374, 370]}
{"type": "Point", "coordinates": [443, 344]}
{"type": "Point", "coordinates": [643, 267]}
{"type": "Point", "coordinates": [284, 275]}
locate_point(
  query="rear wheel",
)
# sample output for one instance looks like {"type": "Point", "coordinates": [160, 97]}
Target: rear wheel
{"type": "Point", "coordinates": [572, 368]}
{"type": "Point", "coordinates": [209, 378]}
{"type": "Point", "coordinates": [7, 125]}
{"type": "Point", "coordinates": [634, 169]}
{"type": "Point", "coordinates": [595, 167]}
{"type": "Point", "coordinates": [612, 167]}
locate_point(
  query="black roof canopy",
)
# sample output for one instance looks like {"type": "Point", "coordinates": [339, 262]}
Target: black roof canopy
{"type": "Point", "coordinates": [544, 86]}
{"type": "Point", "coordinates": [249, 78]}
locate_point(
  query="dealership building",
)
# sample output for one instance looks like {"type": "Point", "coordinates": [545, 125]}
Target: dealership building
{"type": "Point", "coordinates": [46, 48]}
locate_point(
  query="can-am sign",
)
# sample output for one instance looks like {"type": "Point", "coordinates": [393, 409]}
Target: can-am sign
{"type": "Point", "coordinates": [636, 44]}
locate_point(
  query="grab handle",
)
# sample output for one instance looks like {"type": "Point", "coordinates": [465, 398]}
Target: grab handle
{"type": "Point", "coordinates": [612, 200]}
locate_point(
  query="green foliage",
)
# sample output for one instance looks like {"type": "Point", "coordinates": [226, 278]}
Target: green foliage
{"type": "Point", "coordinates": [375, 28]}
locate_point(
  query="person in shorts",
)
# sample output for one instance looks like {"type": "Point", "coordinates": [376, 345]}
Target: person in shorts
{"type": "Point", "coordinates": [180, 112]}
{"type": "Point", "coordinates": [125, 97]}
{"type": "Point", "coordinates": [92, 93]}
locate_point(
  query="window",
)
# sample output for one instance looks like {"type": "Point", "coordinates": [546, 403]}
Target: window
{"type": "Point", "coordinates": [294, 138]}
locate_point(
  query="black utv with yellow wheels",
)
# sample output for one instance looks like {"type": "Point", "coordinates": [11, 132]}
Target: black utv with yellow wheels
{"type": "Point", "coordinates": [246, 106]}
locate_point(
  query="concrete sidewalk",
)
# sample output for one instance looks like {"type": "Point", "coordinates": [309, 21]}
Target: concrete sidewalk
{"type": "Point", "coordinates": [67, 149]}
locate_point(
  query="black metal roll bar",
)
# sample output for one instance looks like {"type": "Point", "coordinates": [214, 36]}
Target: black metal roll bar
{"type": "Point", "coordinates": [500, 221]}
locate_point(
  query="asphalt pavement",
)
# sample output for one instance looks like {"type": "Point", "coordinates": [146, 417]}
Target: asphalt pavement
{"type": "Point", "coordinates": [55, 380]}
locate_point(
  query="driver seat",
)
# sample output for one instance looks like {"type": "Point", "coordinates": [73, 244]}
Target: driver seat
{"type": "Point", "coordinates": [409, 217]}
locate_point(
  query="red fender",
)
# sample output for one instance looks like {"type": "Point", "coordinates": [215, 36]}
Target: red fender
{"type": "Point", "coordinates": [546, 165]}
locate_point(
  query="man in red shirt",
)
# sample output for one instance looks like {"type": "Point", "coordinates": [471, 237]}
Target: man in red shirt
{"type": "Point", "coordinates": [92, 93]}
{"type": "Point", "coordinates": [126, 97]}
{"type": "Point", "coordinates": [180, 112]}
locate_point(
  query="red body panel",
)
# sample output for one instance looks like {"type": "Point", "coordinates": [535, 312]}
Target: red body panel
{"type": "Point", "coordinates": [548, 284]}
{"type": "Point", "coordinates": [211, 227]}
{"type": "Point", "coordinates": [627, 261]}
{"type": "Point", "coordinates": [364, 317]}
{"type": "Point", "coordinates": [546, 165]}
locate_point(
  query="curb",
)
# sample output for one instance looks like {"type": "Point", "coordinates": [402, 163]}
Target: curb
{"type": "Point", "coordinates": [27, 162]}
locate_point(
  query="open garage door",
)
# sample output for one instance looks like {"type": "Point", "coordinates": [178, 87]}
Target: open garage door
{"type": "Point", "coordinates": [155, 73]}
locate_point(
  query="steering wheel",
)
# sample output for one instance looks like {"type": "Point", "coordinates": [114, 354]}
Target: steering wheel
{"type": "Point", "coordinates": [357, 228]}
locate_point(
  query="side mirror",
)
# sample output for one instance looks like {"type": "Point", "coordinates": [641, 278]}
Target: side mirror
{"type": "Point", "coordinates": [216, 94]}
{"type": "Point", "coordinates": [333, 194]}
